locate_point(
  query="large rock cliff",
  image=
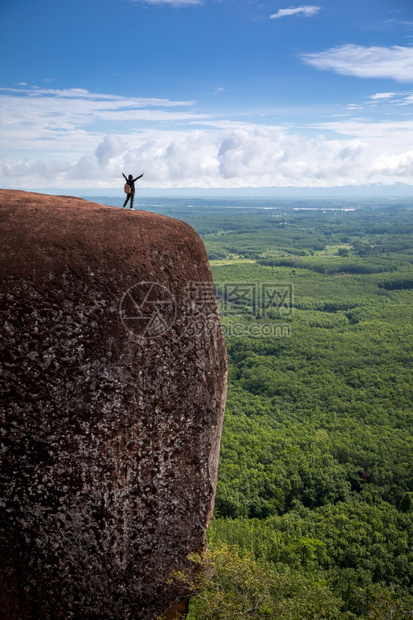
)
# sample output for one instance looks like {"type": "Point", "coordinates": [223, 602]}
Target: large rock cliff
{"type": "Point", "coordinates": [114, 389]}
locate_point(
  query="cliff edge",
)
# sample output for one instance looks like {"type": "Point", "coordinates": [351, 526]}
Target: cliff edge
{"type": "Point", "coordinates": [114, 388]}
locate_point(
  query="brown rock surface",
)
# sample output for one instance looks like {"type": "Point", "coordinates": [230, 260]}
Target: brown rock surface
{"type": "Point", "coordinates": [114, 382]}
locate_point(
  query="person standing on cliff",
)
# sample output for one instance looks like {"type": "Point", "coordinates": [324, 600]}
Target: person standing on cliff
{"type": "Point", "coordinates": [131, 182]}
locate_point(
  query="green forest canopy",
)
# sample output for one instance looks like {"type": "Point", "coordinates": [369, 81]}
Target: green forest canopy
{"type": "Point", "coordinates": [314, 507]}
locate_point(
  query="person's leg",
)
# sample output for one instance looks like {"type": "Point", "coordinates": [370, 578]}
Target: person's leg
{"type": "Point", "coordinates": [126, 201]}
{"type": "Point", "coordinates": [132, 196]}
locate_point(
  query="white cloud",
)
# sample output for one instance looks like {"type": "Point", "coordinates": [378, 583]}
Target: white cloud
{"type": "Point", "coordinates": [244, 156]}
{"type": "Point", "coordinates": [366, 62]}
{"type": "Point", "coordinates": [389, 99]}
{"type": "Point", "coordinates": [73, 120]}
{"type": "Point", "coordinates": [67, 139]}
{"type": "Point", "coordinates": [110, 148]}
{"type": "Point", "coordinates": [390, 165]}
{"type": "Point", "coordinates": [239, 156]}
{"type": "Point", "coordinates": [307, 11]}
{"type": "Point", "coordinates": [382, 96]}
{"type": "Point", "coordinates": [82, 94]}
{"type": "Point", "coordinates": [394, 20]}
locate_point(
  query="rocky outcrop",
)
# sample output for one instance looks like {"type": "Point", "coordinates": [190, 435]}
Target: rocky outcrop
{"type": "Point", "coordinates": [114, 384]}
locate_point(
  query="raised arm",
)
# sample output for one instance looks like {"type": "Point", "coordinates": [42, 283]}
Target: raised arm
{"type": "Point", "coordinates": [124, 176]}
{"type": "Point", "coordinates": [139, 177]}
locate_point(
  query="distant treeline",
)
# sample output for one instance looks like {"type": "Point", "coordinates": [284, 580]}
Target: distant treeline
{"type": "Point", "coordinates": [332, 266]}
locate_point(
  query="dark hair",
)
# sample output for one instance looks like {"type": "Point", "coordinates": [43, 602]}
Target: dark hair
{"type": "Point", "coordinates": [130, 176]}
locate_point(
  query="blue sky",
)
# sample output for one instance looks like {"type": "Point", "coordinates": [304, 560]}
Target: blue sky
{"type": "Point", "coordinates": [206, 93]}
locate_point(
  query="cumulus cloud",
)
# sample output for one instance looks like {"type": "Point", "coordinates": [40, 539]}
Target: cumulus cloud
{"type": "Point", "coordinates": [239, 156]}
{"type": "Point", "coordinates": [72, 139]}
{"type": "Point", "coordinates": [390, 165]}
{"type": "Point", "coordinates": [110, 148]}
{"type": "Point", "coordinates": [307, 11]}
{"type": "Point", "coordinates": [394, 62]}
